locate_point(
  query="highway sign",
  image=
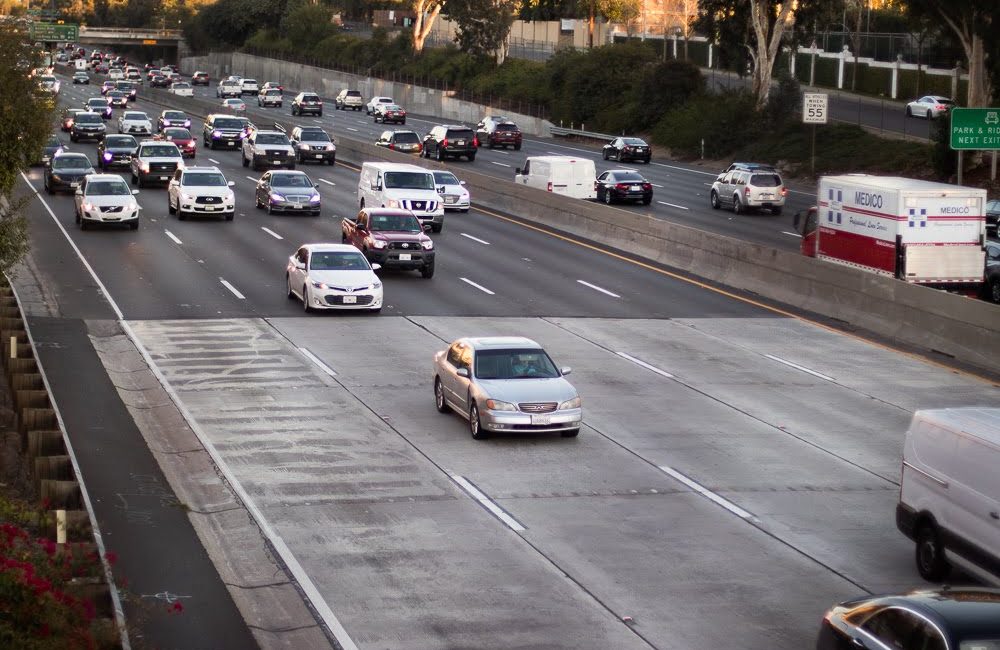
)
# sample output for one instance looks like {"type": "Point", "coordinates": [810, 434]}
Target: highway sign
{"type": "Point", "coordinates": [148, 41]}
{"type": "Point", "coordinates": [814, 108]}
{"type": "Point", "coordinates": [54, 32]}
{"type": "Point", "coordinates": [975, 128]}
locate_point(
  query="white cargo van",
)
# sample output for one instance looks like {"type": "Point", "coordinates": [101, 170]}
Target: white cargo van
{"type": "Point", "coordinates": [80, 64]}
{"type": "Point", "coordinates": [399, 185]}
{"type": "Point", "coordinates": [574, 177]}
{"type": "Point", "coordinates": [949, 496]}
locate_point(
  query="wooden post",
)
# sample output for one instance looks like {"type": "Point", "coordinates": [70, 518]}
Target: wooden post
{"type": "Point", "coordinates": [13, 347]}
{"type": "Point", "coordinates": [60, 526]}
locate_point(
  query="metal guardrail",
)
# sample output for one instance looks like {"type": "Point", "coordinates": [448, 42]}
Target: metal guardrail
{"type": "Point", "coordinates": [558, 131]}
{"type": "Point", "coordinates": [129, 31]}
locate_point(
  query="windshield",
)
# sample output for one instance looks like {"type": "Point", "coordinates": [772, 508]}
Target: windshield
{"type": "Point", "coordinates": [338, 261]}
{"type": "Point", "coordinates": [314, 136]}
{"type": "Point", "coordinates": [120, 141]}
{"type": "Point", "coordinates": [108, 188]}
{"type": "Point", "coordinates": [765, 180]}
{"type": "Point", "coordinates": [445, 178]}
{"type": "Point", "coordinates": [83, 118]}
{"type": "Point", "coordinates": [177, 134]}
{"type": "Point", "coordinates": [272, 92]}
{"type": "Point", "coordinates": [271, 138]}
{"type": "Point", "coordinates": [394, 222]}
{"type": "Point", "coordinates": [71, 162]}
{"type": "Point", "coordinates": [228, 124]}
{"type": "Point", "coordinates": [136, 116]}
{"type": "Point", "coordinates": [159, 151]}
{"type": "Point", "coordinates": [290, 180]}
{"type": "Point", "coordinates": [514, 364]}
{"type": "Point", "coordinates": [114, 94]}
{"type": "Point", "coordinates": [630, 176]}
{"type": "Point", "coordinates": [409, 180]}
{"type": "Point", "coordinates": [97, 103]}
{"type": "Point", "coordinates": [174, 115]}
{"type": "Point", "coordinates": [203, 179]}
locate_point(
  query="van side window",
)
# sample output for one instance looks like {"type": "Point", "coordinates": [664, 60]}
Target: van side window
{"type": "Point", "coordinates": [525, 169]}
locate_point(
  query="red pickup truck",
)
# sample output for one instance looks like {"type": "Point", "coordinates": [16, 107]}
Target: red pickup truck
{"type": "Point", "coordinates": [391, 237]}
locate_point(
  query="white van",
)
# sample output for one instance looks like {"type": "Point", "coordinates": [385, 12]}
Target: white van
{"type": "Point", "coordinates": [398, 185]}
{"type": "Point", "coordinates": [949, 496]}
{"type": "Point", "coordinates": [80, 64]}
{"type": "Point", "coordinates": [575, 177]}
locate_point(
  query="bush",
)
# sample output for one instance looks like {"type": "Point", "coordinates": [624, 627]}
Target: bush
{"type": "Point", "coordinates": [783, 102]}
{"type": "Point", "coordinates": [725, 122]}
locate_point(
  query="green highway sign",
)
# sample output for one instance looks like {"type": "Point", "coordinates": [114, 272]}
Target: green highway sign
{"type": "Point", "coordinates": [54, 32]}
{"type": "Point", "coordinates": [975, 128]}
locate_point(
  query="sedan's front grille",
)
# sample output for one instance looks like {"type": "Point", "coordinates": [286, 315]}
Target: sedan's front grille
{"type": "Point", "coordinates": [349, 289]}
{"type": "Point", "coordinates": [404, 245]}
{"type": "Point", "coordinates": [318, 148]}
{"type": "Point", "coordinates": [111, 208]}
{"type": "Point", "coordinates": [537, 407]}
{"type": "Point", "coordinates": [339, 300]}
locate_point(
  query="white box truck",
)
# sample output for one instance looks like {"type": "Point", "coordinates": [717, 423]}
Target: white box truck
{"type": "Point", "coordinates": [574, 177]}
{"type": "Point", "coordinates": [918, 231]}
{"type": "Point", "coordinates": [949, 492]}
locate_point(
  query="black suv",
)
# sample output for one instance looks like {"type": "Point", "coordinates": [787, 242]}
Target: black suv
{"type": "Point", "coordinates": [87, 126]}
{"type": "Point", "coordinates": [224, 131]}
{"type": "Point", "coordinates": [451, 140]}
{"type": "Point", "coordinates": [307, 103]}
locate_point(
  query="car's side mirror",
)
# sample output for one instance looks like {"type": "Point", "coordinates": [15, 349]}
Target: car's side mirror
{"type": "Point", "coordinates": [79, 192]}
{"type": "Point", "coordinates": [231, 183]}
{"type": "Point", "coordinates": [461, 182]}
{"type": "Point", "coordinates": [462, 372]}
{"type": "Point", "coordinates": [565, 370]}
{"type": "Point", "coordinates": [300, 265]}
{"type": "Point", "coordinates": [720, 177]}
{"type": "Point", "coordinates": [517, 170]}
{"type": "Point", "coordinates": [376, 267]}
{"type": "Point", "coordinates": [134, 192]}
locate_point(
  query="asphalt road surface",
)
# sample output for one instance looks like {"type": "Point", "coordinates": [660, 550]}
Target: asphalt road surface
{"type": "Point", "coordinates": [736, 476]}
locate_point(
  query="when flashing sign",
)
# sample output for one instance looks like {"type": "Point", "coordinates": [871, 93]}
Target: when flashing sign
{"type": "Point", "coordinates": [975, 128]}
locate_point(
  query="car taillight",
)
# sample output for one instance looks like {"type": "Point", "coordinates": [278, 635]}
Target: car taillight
{"type": "Point", "coordinates": [940, 107]}
{"type": "Point", "coordinates": [392, 145]}
{"type": "Point", "coordinates": [548, 188]}
{"type": "Point", "coordinates": [746, 191]}
{"type": "Point", "coordinates": [475, 141]}
{"type": "Point", "coordinates": [784, 191]}
{"type": "Point", "coordinates": [621, 186]}
{"type": "Point", "coordinates": [420, 146]}
{"type": "Point", "coordinates": [444, 143]}
{"type": "Point", "coordinates": [647, 186]}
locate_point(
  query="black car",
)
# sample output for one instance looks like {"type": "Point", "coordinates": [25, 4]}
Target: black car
{"type": "Point", "coordinates": [307, 103]}
{"type": "Point", "coordinates": [623, 185]}
{"type": "Point", "coordinates": [100, 106]}
{"type": "Point", "coordinates": [116, 151]}
{"type": "Point", "coordinates": [991, 287]}
{"type": "Point", "coordinates": [626, 149]}
{"type": "Point", "coordinates": [87, 126]}
{"type": "Point", "coordinates": [127, 87]}
{"type": "Point", "coordinates": [450, 140]}
{"type": "Point", "coordinates": [992, 216]}
{"type": "Point", "coordinates": [287, 191]}
{"type": "Point", "coordinates": [159, 81]}
{"type": "Point", "coordinates": [945, 619]}
{"type": "Point", "coordinates": [51, 148]}
{"type": "Point", "coordinates": [66, 171]}
{"type": "Point", "coordinates": [224, 131]}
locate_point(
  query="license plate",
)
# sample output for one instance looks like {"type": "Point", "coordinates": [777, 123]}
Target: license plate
{"type": "Point", "coordinates": [636, 188]}
{"type": "Point", "coordinates": [405, 257]}
{"type": "Point", "coordinates": [297, 206]}
{"type": "Point", "coordinates": [74, 185]}
{"type": "Point", "coordinates": [210, 208]}
{"type": "Point", "coordinates": [276, 161]}
{"type": "Point", "coordinates": [460, 143]}
{"type": "Point", "coordinates": [319, 155]}
{"type": "Point", "coordinates": [164, 178]}
{"type": "Point", "coordinates": [541, 419]}
{"type": "Point", "coordinates": [766, 196]}
{"type": "Point", "coordinates": [450, 199]}
{"type": "Point", "coordinates": [350, 300]}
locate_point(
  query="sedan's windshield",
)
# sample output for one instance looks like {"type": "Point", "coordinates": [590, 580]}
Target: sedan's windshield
{"type": "Point", "coordinates": [514, 364]}
{"type": "Point", "coordinates": [97, 103]}
{"type": "Point", "coordinates": [409, 180]}
{"type": "Point", "coordinates": [272, 138]}
{"type": "Point", "coordinates": [136, 116]}
{"type": "Point", "coordinates": [162, 151]}
{"type": "Point", "coordinates": [338, 261]}
{"type": "Point", "coordinates": [395, 222]}
{"type": "Point", "coordinates": [203, 179]}
{"type": "Point", "coordinates": [71, 162]}
{"type": "Point", "coordinates": [445, 178]}
{"type": "Point", "coordinates": [177, 134]}
{"type": "Point", "coordinates": [108, 188]}
{"type": "Point", "coordinates": [228, 124]}
{"type": "Point", "coordinates": [290, 180]}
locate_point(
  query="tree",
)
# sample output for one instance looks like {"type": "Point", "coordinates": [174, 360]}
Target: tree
{"type": "Point", "coordinates": [971, 21]}
{"type": "Point", "coordinates": [27, 113]}
{"type": "Point", "coordinates": [483, 25]}
{"type": "Point", "coordinates": [427, 11]}
{"type": "Point", "coordinates": [623, 12]}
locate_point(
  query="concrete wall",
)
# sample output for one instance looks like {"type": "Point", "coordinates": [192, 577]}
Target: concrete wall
{"type": "Point", "coordinates": [416, 99]}
{"type": "Point", "coordinates": [968, 330]}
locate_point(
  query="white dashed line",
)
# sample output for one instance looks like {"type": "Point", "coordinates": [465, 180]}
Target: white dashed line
{"type": "Point", "coordinates": [251, 178]}
{"type": "Point", "coordinates": [481, 241]}
{"type": "Point", "coordinates": [232, 288]}
{"type": "Point", "coordinates": [655, 185]}
{"type": "Point", "coordinates": [705, 492]}
{"type": "Point", "coordinates": [793, 234]}
{"type": "Point", "coordinates": [214, 161]}
{"type": "Point", "coordinates": [319, 364]}
{"type": "Point", "coordinates": [597, 288]}
{"type": "Point", "coordinates": [271, 232]}
{"type": "Point", "coordinates": [318, 121]}
{"type": "Point", "coordinates": [493, 162]}
{"type": "Point", "coordinates": [673, 205]}
{"type": "Point", "coordinates": [488, 503]}
{"type": "Point", "coordinates": [640, 362]}
{"type": "Point", "coordinates": [351, 128]}
{"type": "Point", "coordinates": [323, 180]}
{"type": "Point", "coordinates": [173, 237]}
{"type": "Point", "coordinates": [478, 286]}
{"type": "Point", "coordinates": [685, 169]}
{"type": "Point", "coordinates": [798, 367]}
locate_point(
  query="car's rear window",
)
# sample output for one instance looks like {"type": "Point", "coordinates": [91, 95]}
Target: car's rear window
{"type": "Point", "coordinates": [310, 98]}
{"type": "Point", "coordinates": [635, 141]}
{"type": "Point", "coordinates": [459, 134]}
{"type": "Point", "coordinates": [506, 127]}
{"type": "Point", "coordinates": [407, 138]}
{"type": "Point", "coordinates": [630, 176]}
{"type": "Point", "coordinates": [354, 93]}
{"type": "Point", "coordinates": [765, 180]}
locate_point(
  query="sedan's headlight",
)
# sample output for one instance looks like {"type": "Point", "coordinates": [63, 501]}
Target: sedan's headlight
{"type": "Point", "coordinates": [330, 147]}
{"type": "Point", "coordinates": [375, 285]}
{"type": "Point", "coordinates": [428, 245]}
{"type": "Point", "coordinates": [277, 197]}
{"type": "Point", "coordinates": [317, 284]}
{"type": "Point", "coordinates": [497, 405]}
{"type": "Point", "coordinates": [571, 404]}
{"type": "Point", "coordinates": [314, 198]}
{"type": "Point", "coordinates": [187, 197]}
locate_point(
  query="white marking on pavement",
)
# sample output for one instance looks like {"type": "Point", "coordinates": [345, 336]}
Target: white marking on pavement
{"type": "Point", "coordinates": [214, 161]}
{"type": "Point", "coordinates": [173, 237]}
{"type": "Point", "coordinates": [685, 169]}
{"type": "Point", "coordinates": [488, 503]}
{"type": "Point", "coordinates": [673, 205]}
{"type": "Point", "coordinates": [251, 178]}
{"type": "Point", "coordinates": [316, 360]}
{"type": "Point", "coordinates": [351, 128]}
{"type": "Point", "coordinates": [705, 492]}
{"type": "Point", "coordinates": [798, 367]}
{"type": "Point", "coordinates": [481, 241]}
{"type": "Point", "coordinates": [793, 234]}
{"type": "Point", "coordinates": [640, 362]}
{"type": "Point", "coordinates": [232, 288]}
{"type": "Point", "coordinates": [323, 180]}
{"type": "Point", "coordinates": [597, 288]}
{"type": "Point", "coordinates": [478, 286]}
{"type": "Point", "coordinates": [493, 162]}
{"type": "Point", "coordinates": [656, 185]}
{"type": "Point", "coordinates": [271, 232]}
{"type": "Point", "coordinates": [318, 121]}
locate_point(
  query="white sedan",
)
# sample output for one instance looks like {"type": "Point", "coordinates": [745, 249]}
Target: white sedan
{"type": "Point", "coordinates": [333, 276]}
{"type": "Point", "coordinates": [135, 123]}
{"type": "Point", "coordinates": [235, 105]}
{"type": "Point", "coordinates": [456, 197]}
{"type": "Point", "coordinates": [375, 101]}
{"type": "Point", "coordinates": [931, 107]}
{"type": "Point", "coordinates": [181, 89]}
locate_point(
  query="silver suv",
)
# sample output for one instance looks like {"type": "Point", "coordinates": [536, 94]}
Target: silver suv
{"type": "Point", "coordinates": [746, 186]}
{"type": "Point", "coordinates": [348, 98]}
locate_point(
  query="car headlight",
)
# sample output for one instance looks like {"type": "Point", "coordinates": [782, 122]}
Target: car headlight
{"type": "Point", "coordinates": [304, 146]}
{"type": "Point", "coordinates": [187, 197]}
{"type": "Point", "coordinates": [89, 207]}
{"type": "Point", "coordinates": [317, 284]}
{"type": "Point", "coordinates": [375, 285]}
{"type": "Point", "coordinates": [144, 166]}
{"type": "Point", "coordinates": [393, 203]}
{"type": "Point", "coordinates": [378, 243]}
{"type": "Point", "coordinates": [428, 245]}
{"type": "Point", "coordinates": [497, 405]}
{"type": "Point", "coordinates": [330, 147]}
{"type": "Point", "coordinates": [107, 156]}
{"type": "Point", "coordinates": [216, 133]}
{"type": "Point", "coordinates": [571, 404]}
{"type": "Point", "coordinates": [276, 197]}
{"type": "Point", "coordinates": [314, 198]}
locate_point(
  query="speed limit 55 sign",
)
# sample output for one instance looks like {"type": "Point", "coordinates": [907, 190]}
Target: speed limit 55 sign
{"type": "Point", "coordinates": [814, 108]}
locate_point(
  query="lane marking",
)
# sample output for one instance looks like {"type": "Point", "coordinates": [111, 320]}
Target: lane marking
{"type": "Point", "coordinates": [494, 162]}
{"type": "Point", "coordinates": [793, 234]}
{"type": "Point", "coordinates": [317, 121]}
{"type": "Point", "coordinates": [319, 363]}
{"type": "Point", "coordinates": [251, 178]}
{"type": "Point", "coordinates": [673, 205]}
{"type": "Point", "coordinates": [478, 286]}
{"type": "Point", "coordinates": [640, 362]}
{"type": "Point", "coordinates": [173, 237]}
{"type": "Point", "coordinates": [232, 288]}
{"type": "Point", "coordinates": [481, 241]}
{"type": "Point", "coordinates": [597, 288]}
{"type": "Point", "coordinates": [802, 368]}
{"type": "Point", "coordinates": [323, 180]}
{"type": "Point", "coordinates": [214, 161]}
{"type": "Point", "coordinates": [271, 232]}
{"type": "Point", "coordinates": [684, 169]}
{"type": "Point", "coordinates": [488, 503]}
{"type": "Point", "coordinates": [351, 128]}
{"type": "Point", "coordinates": [705, 492]}
{"type": "Point", "coordinates": [656, 185]}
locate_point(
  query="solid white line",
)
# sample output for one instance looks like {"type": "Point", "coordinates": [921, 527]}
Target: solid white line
{"type": "Point", "coordinates": [562, 146]}
{"type": "Point", "coordinates": [655, 185]}
{"type": "Point", "coordinates": [488, 503]}
{"type": "Point", "coordinates": [685, 169]}
{"type": "Point", "coordinates": [173, 237]}
{"type": "Point", "coordinates": [316, 360]}
{"type": "Point", "coordinates": [481, 241]}
{"type": "Point", "coordinates": [493, 162]}
{"type": "Point", "coordinates": [793, 234]}
{"type": "Point", "coordinates": [640, 362]}
{"type": "Point", "coordinates": [673, 205]}
{"type": "Point", "coordinates": [271, 232]}
{"type": "Point", "coordinates": [351, 128]}
{"type": "Point", "coordinates": [232, 288]}
{"type": "Point", "coordinates": [597, 288]}
{"type": "Point", "coordinates": [712, 496]}
{"type": "Point", "coordinates": [798, 367]}
{"type": "Point", "coordinates": [323, 180]}
{"type": "Point", "coordinates": [214, 161]}
{"type": "Point", "coordinates": [478, 286]}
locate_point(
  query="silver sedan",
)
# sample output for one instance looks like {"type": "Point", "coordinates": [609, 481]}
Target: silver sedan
{"type": "Point", "coordinates": [505, 384]}
{"type": "Point", "coordinates": [930, 107]}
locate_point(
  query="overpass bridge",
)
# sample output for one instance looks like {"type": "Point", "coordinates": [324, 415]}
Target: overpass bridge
{"type": "Point", "coordinates": [121, 36]}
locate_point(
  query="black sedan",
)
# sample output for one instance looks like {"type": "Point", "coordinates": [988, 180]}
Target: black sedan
{"type": "Point", "coordinates": [992, 216]}
{"type": "Point", "coordinates": [66, 171]}
{"type": "Point", "coordinates": [623, 185]}
{"type": "Point", "coordinates": [991, 288]}
{"type": "Point", "coordinates": [946, 619]}
{"type": "Point", "coordinates": [159, 81]}
{"type": "Point", "coordinates": [116, 151]}
{"type": "Point", "coordinates": [626, 149]}
{"type": "Point", "coordinates": [52, 147]}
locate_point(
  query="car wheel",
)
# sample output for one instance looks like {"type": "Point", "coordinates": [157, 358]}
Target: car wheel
{"type": "Point", "coordinates": [474, 428]}
{"type": "Point", "coordinates": [288, 287]}
{"type": "Point", "coordinates": [256, 201]}
{"type": "Point", "coordinates": [84, 225]}
{"type": "Point", "coordinates": [427, 271]}
{"type": "Point", "coordinates": [243, 158]}
{"type": "Point", "coordinates": [909, 112]}
{"type": "Point", "coordinates": [715, 200]}
{"type": "Point", "coordinates": [230, 216]}
{"type": "Point", "coordinates": [439, 401]}
{"type": "Point", "coordinates": [291, 165]}
{"type": "Point", "coordinates": [607, 196]}
{"type": "Point", "coordinates": [472, 157]}
{"type": "Point", "coordinates": [440, 155]}
{"type": "Point", "coordinates": [305, 299]}
{"type": "Point", "coordinates": [181, 215]}
{"type": "Point", "coordinates": [77, 215]}
{"type": "Point", "coordinates": [571, 433]}
{"type": "Point", "coordinates": [517, 147]}
{"type": "Point", "coordinates": [931, 562]}
{"type": "Point", "coordinates": [737, 205]}
{"type": "Point", "coordinates": [995, 290]}
{"type": "Point", "coordinates": [320, 114]}
{"type": "Point", "coordinates": [646, 160]}
{"type": "Point", "coordinates": [269, 209]}
{"type": "Point", "coordinates": [436, 227]}
{"type": "Point", "coordinates": [647, 201]}
{"type": "Point", "coordinates": [141, 182]}
{"type": "Point", "coordinates": [604, 154]}
{"type": "Point", "coordinates": [134, 225]}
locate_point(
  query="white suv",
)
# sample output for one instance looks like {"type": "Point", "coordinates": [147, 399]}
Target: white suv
{"type": "Point", "coordinates": [398, 185]}
{"type": "Point", "coordinates": [249, 87]}
{"type": "Point", "coordinates": [746, 186]}
{"type": "Point", "coordinates": [228, 88]}
{"type": "Point", "coordinates": [201, 190]}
